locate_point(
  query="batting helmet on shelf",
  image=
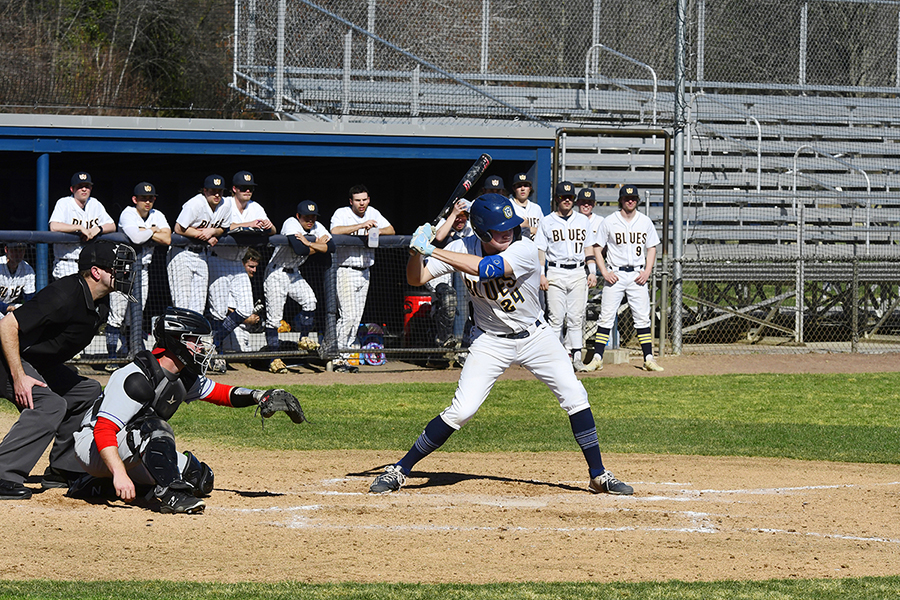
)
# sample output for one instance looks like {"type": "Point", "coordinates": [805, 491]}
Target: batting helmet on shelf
{"type": "Point", "coordinates": [493, 212]}
{"type": "Point", "coordinates": [188, 335]}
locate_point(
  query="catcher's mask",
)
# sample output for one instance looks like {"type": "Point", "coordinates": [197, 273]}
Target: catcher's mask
{"type": "Point", "coordinates": [188, 335]}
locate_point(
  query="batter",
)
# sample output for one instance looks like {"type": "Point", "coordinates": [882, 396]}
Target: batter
{"type": "Point", "coordinates": [502, 275]}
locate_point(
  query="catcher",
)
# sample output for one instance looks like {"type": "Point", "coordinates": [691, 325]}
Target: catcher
{"type": "Point", "coordinates": [126, 435]}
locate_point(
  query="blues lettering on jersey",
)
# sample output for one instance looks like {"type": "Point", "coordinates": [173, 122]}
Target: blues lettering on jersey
{"type": "Point", "coordinates": [500, 290]}
{"type": "Point", "coordinates": [90, 224]}
{"type": "Point", "coordinates": [572, 235]}
{"type": "Point", "coordinates": [11, 292]}
{"type": "Point", "coordinates": [632, 237]}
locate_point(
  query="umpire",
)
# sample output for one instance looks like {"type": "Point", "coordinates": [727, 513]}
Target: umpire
{"type": "Point", "coordinates": [37, 339]}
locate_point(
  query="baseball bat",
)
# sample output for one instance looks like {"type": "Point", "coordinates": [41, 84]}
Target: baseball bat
{"type": "Point", "coordinates": [465, 184]}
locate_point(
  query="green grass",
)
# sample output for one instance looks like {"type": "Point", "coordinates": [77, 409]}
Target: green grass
{"type": "Point", "coordinates": [815, 417]}
{"type": "Point", "coordinates": [820, 589]}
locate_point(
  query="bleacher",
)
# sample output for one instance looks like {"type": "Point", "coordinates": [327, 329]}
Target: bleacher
{"type": "Point", "coordinates": [739, 179]}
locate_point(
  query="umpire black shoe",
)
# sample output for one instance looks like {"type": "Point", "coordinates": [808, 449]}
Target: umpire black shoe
{"type": "Point", "coordinates": [10, 490]}
{"type": "Point", "coordinates": [606, 483]}
{"type": "Point", "coordinates": [58, 478]}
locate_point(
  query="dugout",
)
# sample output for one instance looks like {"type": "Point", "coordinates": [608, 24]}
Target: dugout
{"type": "Point", "coordinates": [409, 169]}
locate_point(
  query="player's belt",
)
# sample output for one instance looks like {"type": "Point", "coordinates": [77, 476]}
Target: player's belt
{"type": "Point", "coordinates": [565, 266]}
{"type": "Point", "coordinates": [355, 268]}
{"type": "Point", "coordinates": [287, 269]}
{"type": "Point", "coordinates": [196, 249]}
{"type": "Point", "coordinates": [519, 335]}
{"type": "Point", "coordinates": [628, 269]}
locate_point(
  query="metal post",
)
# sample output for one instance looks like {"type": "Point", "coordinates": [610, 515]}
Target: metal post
{"type": "Point", "coordinates": [485, 33]}
{"type": "Point", "coordinates": [136, 313]}
{"type": "Point", "coordinates": [42, 268]}
{"type": "Point", "coordinates": [237, 44]}
{"type": "Point", "coordinates": [414, 92]}
{"type": "Point", "coordinates": [348, 63]}
{"type": "Point", "coordinates": [251, 33]}
{"type": "Point", "coordinates": [804, 17]}
{"type": "Point", "coordinates": [701, 39]}
{"type": "Point", "coordinates": [897, 76]}
{"type": "Point", "coordinates": [370, 42]}
{"type": "Point", "coordinates": [279, 59]}
{"type": "Point", "coordinates": [595, 33]}
{"type": "Point", "coordinates": [800, 298]}
{"type": "Point", "coordinates": [854, 313]}
{"type": "Point", "coordinates": [678, 212]}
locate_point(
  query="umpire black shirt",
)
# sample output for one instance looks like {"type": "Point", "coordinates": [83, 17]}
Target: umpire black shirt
{"type": "Point", "coordinates": [59, 321]}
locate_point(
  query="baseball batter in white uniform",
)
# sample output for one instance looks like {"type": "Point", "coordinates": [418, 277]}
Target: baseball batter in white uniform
{"type": "Point", "coordinates": [306, 236]}
{"type": "Point", "coordinates": [353, 265]}
{"type": "Point", "coordinates": [630, 240]}
{"type": "Point", "coordinates": [230, 292]}
{"type": "Point", "coordinates": [79, 213]}
{"type": "Point", "coordinates": [204, 219]}
{"type": "Point", "coordinates": [144, 226]}
{"type": "Point", "coordinates": [565, 240]}
{"type": "Point", "coordinates": [16, 278]}
{"type": "Point", "coordinates": [525, 208]}
{"type": "Point", "coordinates": [502, 276]}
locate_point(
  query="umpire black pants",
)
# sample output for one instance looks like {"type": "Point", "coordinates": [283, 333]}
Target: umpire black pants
{"type": "Point", "coordinates": [57, 414]}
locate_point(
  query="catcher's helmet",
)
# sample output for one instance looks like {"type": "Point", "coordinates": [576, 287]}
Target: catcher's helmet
{"type": "Point", "coordinates": [493, 212]}
{"type": "Point", "coordinates": [188, 335]}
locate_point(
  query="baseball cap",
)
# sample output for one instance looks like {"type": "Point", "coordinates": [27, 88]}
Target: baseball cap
{"type": "Point", "coordinates": [243, 179]}
{"type": "Point", "coordinates": [586, 195]}
{"type": "Point", "coordinates": [97, 253]}
{"type": "Point", "coordinates": [214, 182]}
{"type": "Point", "coordinates": [81, 177]}
{"type": "Point", "coordinates": [307, 207]}
{"type": "Point", "coordinates": [494, 182]}
{"type": "Point", "coordinates": [628, 190]}
{"type": "Point", "coordinates": [565, 188]}
{"type": "Point", "coordinates": [521, 179]}
{"type": "Point", "coordinates": [144, 188]}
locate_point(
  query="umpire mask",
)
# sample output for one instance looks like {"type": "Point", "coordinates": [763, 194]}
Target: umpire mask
{"type": "Point", "coordinates": [123, 270]}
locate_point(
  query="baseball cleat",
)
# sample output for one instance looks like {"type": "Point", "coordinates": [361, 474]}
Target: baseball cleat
{"type": "Point", "coordinates": [177, 499]}
{"type": "Point", "coordinates": [58, 478]}
{"type": "Point", "coordinates": [652, 365]}
{"type": "Point", "coordinates": [606, 483]}
{"type": "Point", "coordinates": [579, 366]}
{"type": "Point", "coordinates": [389, 481]}
{"type": "Point", "coordinates": [596, 364]}
{"type": "Point", "coordinates": [218, 365]}
{"type": "Point", "coordinates": [111, 368]}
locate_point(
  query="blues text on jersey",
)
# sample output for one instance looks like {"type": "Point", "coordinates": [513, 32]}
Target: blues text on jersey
{"type": "Point", "coordinates": [502, 290]}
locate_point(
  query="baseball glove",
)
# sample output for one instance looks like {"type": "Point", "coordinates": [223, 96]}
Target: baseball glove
{"type": "Point", "coordinates": [274, 401]}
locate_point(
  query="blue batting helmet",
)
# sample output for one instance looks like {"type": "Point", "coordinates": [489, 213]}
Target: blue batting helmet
{"type": "Point", "coordinates": [493, 212]}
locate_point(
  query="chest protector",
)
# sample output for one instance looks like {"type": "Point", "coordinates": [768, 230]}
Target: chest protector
{"type": "Point", "coordinates": [160, 391]}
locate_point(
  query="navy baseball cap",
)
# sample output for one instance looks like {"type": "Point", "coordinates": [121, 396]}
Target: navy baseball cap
{"type": "Point", "coordinates": [243, 179]}
{"type": "Point", "coordinates": [214, 182]}
{"type": "Point", "coordinates": [565, 188]}
{"type": "Point", "coordinates": [307, 207]}
{"type": "Point", "coordinates": [520, 179]}
{"type": "Point", "coordinates": [80, 178]}
{"type": "Point", "coordinates": [144, 188]}
{"type": "Point", "coordinates": [586, 195]}
{"type": "Point", "coordinates": [494, 182]}
{"type": "Point", "coordinates": [628, 190]}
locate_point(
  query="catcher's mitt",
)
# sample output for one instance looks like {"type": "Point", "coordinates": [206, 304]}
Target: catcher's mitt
{"type": "Point", "coordinates": [274, 401]}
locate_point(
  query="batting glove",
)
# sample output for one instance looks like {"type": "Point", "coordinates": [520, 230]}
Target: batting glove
{"type": "Point", "coordinates": [421, 240]}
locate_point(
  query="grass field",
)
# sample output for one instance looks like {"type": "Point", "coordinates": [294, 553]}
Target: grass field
{"type": "Point", "coordinates": [815, 417]}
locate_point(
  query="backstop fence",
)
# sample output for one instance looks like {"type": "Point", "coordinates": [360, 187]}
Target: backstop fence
{"type": "Point", "coordinates": [736, 298]}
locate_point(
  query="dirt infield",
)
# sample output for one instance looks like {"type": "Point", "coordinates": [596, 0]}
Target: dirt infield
{"type": "Point", "coordinates": [482, 518]}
